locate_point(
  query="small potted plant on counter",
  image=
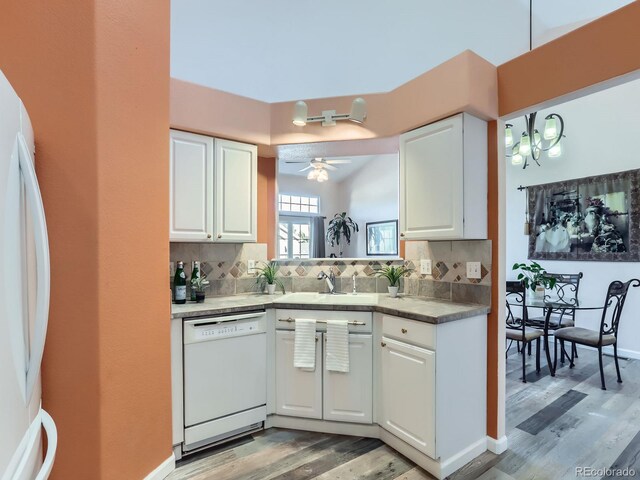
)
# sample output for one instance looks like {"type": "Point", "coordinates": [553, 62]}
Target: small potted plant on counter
{"type": "Point", "coordinates": [393, 275]}
{"type": "Point", "coordinates": [340, 229]}
{"type": "Point", "coordinates": [534, 278]}
{"type": "Point", "coordinates": [199, 284]}
{"type": "Point", "coordinates": [267, 278]}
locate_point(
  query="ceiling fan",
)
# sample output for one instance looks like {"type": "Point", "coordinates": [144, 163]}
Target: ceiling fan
{"type": "Point", "coordinates": [319, 167]}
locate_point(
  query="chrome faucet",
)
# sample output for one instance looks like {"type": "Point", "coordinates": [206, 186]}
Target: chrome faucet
{"type": "Point", "coordinates": [331, 280]}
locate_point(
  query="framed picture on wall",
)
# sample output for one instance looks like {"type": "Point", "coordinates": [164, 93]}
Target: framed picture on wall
{"type": "Point", "coordinates": [382, 238]}
{"type": "Point", "coordinates": [593, 218]}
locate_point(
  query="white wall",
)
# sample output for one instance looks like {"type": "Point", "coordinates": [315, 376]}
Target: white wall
{"type": "Point", "coordinates": [602, 133]}
{"type": "Point", "coordinates": [370, 195]}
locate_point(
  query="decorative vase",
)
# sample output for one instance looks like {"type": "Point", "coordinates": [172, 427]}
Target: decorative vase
{"type": "Point", "coordinates": [393, 291]}
{"type": "Point", "coordinates": [271, 288]}
{"type": "Point", "coordinates": [199, 297]}
{"type": "Point", "coordinates": [538, 294]}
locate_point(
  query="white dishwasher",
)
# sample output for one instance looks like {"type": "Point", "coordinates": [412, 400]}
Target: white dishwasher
{"type": "Point", "coordinates": [225, 389]}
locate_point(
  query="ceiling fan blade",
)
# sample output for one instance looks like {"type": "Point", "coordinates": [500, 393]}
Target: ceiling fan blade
{"type": "Point", "coordinates": [302, 161]}
{"type": "Point", "coordinates": [330, 167]}
{"type": "Point", "coordinates": [306, 168]}
{"type": "Point", "coordinates": [336, 162]}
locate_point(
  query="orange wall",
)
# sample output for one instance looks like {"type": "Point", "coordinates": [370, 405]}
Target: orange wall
{"type": "Point", "coordinates": [95, 79]}
{"type": "Point", "coordinates": [597, 52]}
{"type": "Point", "coordinates": [267, 204]}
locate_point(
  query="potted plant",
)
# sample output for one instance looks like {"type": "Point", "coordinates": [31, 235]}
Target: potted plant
{"type": "Point", "coordinates": [393, 275]}
{"type": "Point", "coordinates": [535, 278]}
{"type": "Point", "coordinates": [267, 278]}
{"type": "Point", "coordinates": [340, 229]}
{"type": "Point", "coordinates": [200, 283]}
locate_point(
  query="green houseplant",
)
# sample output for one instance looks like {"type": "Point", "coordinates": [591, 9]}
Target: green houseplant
{"type": "Point", "coordinates": [199, 284]}
{"type": "Point", "coordinates": [393, 275]}
{"type": "Point", "coordinates": [267, 278]}
{"type": "Point", "coordinates": [340, 229]}
{"type": "Point", "coordinates": [534, 277]}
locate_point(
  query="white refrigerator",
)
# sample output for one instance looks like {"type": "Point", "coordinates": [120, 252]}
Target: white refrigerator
{"type": "Point", "coordinates": [24, 300]}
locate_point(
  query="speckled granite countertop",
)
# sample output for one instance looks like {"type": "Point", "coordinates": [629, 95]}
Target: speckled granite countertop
{"type": "Point", "coordinates": [415, 308]}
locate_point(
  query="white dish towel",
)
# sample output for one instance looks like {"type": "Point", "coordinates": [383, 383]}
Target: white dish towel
{"type": "Point", "coordinates": [304, 346]}
{"type": "Point", "coordinates": [337, 346]}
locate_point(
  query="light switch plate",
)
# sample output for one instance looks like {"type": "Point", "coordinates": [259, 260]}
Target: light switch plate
{"type": "Point", "coordinates": [172, 269]}
{"type": "Point", "coordinates": [251, 267]}
{"type": "Point", "coordinates": [473, 270]}
{"type": "Point", "coordinates": [425, 266]}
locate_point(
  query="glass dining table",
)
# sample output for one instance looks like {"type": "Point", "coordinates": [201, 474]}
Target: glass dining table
{"type": "Point", "coordinates": [551, 307]}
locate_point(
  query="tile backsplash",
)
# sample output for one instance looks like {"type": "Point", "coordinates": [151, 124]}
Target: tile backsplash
{"type": "Point", "coordinates": [226, 266]}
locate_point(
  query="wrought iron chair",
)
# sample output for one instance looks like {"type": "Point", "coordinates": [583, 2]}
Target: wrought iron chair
{"type": "Point", "coordinates": [608, 334]}
{"type": "Point", "coordinates": [517, 329]}
{"type": "Point", "coordinates": [564, 292]}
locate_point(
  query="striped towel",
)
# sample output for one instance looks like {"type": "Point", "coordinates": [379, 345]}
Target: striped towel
{"type": "Point", "coordinates": [304, 346]}
{"type": "Point", "coordinates": [337, 346]}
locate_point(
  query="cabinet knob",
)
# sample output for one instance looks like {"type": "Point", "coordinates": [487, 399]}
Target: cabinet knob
{"type": "Point", "coordinates": [402, 234]}
{"type": "Point", "coordinates": [219, 235]}
{"type": "Point", "coordinates": [382, 344]}
{"type": "Point", "coordinates": [404, 330]}
{"type": "Point", "coordinates": [208, 235]}
{"type": "Point", "coordinates": [316, 339]}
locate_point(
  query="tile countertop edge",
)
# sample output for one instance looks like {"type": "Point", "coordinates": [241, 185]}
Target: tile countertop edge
{"type": "Point", "coordinates": [467, 310]}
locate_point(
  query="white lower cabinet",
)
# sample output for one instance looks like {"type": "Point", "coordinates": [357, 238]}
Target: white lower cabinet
{"type": "Point", "coordinates": [408, 393]}
{"type": "Point", "coordinates": [348, 397]}
{"type": "Point", "coordinates": [298, 390]}
{"type": "Point", "coordinates": [319, 393]}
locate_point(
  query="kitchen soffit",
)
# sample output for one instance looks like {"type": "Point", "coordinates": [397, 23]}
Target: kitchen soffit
{"type": "Point", "coordinates": [302, 49]}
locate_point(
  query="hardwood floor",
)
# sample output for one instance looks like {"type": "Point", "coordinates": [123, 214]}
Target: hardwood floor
{"type": "Point", "coordinates": [553, 424]}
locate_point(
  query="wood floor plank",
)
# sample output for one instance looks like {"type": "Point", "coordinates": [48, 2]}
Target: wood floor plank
{"type": "Point", "coordinates": [382, 463]}
{"type": "Point", "coordinates": [415, 474]}
{"type": "Point", "coordinates": [545, 417]}
{"type": "Point", "coordinates": [629, 458]}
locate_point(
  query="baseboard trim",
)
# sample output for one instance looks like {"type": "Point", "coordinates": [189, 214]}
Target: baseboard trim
{"type": "Point", "coordinates": [460, 459]}
{"type": "Point", "coordinates": [622, 352]}
{"type": "Point", "coordinates": [163, 470]}
{"type": "Point", "coordinates": [497, 446]}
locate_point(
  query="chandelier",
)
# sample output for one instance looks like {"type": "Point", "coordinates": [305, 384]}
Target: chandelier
{"type": "Point", "coordinates": [531, 144]}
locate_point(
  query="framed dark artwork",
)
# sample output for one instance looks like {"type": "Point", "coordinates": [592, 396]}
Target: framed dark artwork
{"type": "Point", "coordinates": [382, 238]}
{"type": "Point", "coordinates": [593, 218]}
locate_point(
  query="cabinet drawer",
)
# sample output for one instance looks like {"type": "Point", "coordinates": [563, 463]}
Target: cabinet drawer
{"type": "Point", "coordinates": [409, 331]}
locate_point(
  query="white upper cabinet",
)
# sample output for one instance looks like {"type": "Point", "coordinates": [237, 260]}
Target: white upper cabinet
{"type": "Point", "coordinates": [191, 187]}
{"type": "Point", "coordinates": [443, 180]}
{"type": "Point", "coordinates": [236, 185]}
{"type": "Point", "coordinates": [213, 189]}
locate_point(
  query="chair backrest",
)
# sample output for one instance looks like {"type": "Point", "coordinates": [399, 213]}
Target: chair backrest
{"type": "Point", "coordinates": [613, 305]}
{"type": "Point", "coordinates": [515, 297]}
{"type": "Point", "coordinates": [566, 288]}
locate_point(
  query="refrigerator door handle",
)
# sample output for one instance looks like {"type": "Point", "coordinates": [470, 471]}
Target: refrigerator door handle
{"type": "Point", "coordinates": [34, 200]}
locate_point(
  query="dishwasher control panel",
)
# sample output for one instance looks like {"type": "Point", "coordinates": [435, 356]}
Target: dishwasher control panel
{"type": "Point", "coordinates": [208, 329]}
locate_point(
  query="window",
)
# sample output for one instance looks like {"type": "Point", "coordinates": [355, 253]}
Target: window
{"type": "Point", "coordinates": [298, 204]}
{"type": "Point", "coordinates": [294, 237]}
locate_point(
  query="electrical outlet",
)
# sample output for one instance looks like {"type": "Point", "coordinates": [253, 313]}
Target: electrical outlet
{"type": "Point", "coordinates": [172, 269]}
{"type": "Point", "coordinates": [425, 266]}
{"type": "Point", "coordinates": [251, 267]}
{"type": "Point", "coordinates": [473, 270]}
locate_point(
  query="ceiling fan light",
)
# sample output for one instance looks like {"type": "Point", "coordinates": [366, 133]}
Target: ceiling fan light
{"type": "Point", "coordinates": [550, 128]}
{"type": "Point", "coordinates": [312, 175]}
{"type": "Point", "coordinates": [525, 145]}
{"type": "Point", "coordinates": [555, 151]}
{"type": "Point", "coordinates": [508, 136]}
{"type": "Point", "coordinates": [323, 176]}
{"type": "Point", "coordinates": [358, 110]}
{"type": "Point", "coordinates": [300, 111]}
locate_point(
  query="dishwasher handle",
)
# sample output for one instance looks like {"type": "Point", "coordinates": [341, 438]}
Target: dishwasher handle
{"type": "Point", "coordinates": [203, 322]}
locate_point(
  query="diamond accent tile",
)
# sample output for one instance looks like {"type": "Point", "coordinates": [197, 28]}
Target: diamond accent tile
{"type": "Point", "coordinates": [234, 272]}
{"type": "Point", "coordinates": [301, 271]}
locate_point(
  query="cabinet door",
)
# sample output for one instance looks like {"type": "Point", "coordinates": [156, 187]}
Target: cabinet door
{"type": "Point", "coordinates": [298, 390]}
{"type": "Point", "coordinates": [191, 187]}
{"type": "Point", "coordinates": [431, 181]}
{"type": "Point", "coordinates": [348, 396]}
{"type": "Point", "coordinates": [408, 394]}
{"type": "Point", "coordinates": [236, 199]}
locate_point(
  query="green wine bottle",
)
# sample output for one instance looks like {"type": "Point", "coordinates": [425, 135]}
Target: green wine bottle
{"type": "Point", "coordinates": [195, 274]}
{"type": "Point", "coordinates": [180, 285]}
